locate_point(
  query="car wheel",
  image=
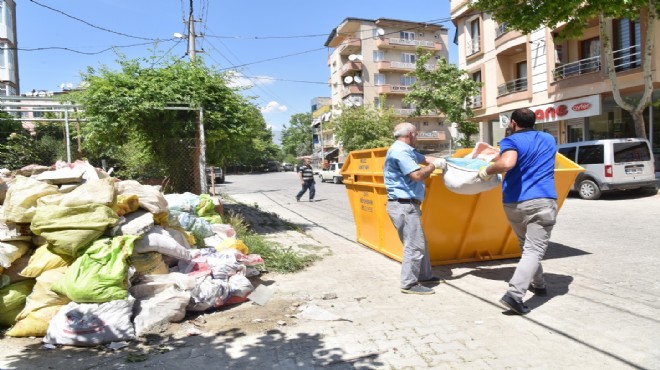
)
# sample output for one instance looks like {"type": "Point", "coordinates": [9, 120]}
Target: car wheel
{"type": "Point", "coordinates": [589, 190]}
{"type": "Point", "coordinates": [320, 177]}
{"type": "Point", "coordinates": [337, 180]}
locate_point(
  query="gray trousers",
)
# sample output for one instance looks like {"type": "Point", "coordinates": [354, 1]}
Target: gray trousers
{"type": "Point", "coordinates": [416, 264]}
{"type": "Point", "coordinates": [532, 221]}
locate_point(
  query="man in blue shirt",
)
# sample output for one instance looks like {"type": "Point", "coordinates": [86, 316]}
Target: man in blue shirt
{"type": "Point", "coordinates": [404, 182]}
{"type": "Point", "coordinates": [530, 201]}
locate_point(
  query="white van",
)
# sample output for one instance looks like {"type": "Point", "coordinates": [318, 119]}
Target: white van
{"type": "Point", "coordinates": [611, 164]}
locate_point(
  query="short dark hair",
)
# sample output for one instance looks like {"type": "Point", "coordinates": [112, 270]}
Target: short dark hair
{"type": "Point", "coordinates": [524, 117]}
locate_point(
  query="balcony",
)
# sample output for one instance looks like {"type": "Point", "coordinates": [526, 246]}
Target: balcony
{"type": "Point", "coordinates": [393, 89]}
{"type": "Point", "coordinates": [351, 89]}
{"type": "Point", "coordinates": [627, 58]}
{"type": "Point", "coordinates": [406, 44]}
{"type": "Point", "coordinates": [350, 68]}
{"type": "Point", "coordinates": [512, 86]}
{"type": "Point", "coordinates": [387, 65]}
{"type": "Point", "coordinates": [577, 68]}
{"type": "Point", "coordinates": [350, 46]}
{"type": "Point", "coordinates": [472, 46]}
{"type": "Point", "coordinates": [501, 30]}
{"type": "Point", "coordinates": [475, 101]}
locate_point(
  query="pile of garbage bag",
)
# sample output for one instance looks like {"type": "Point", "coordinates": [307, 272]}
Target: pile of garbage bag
{"type": "Point", "coordinates": [87, 259]}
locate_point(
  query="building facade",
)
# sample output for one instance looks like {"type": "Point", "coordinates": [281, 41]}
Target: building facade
{"type": "Point", "coordinates": [325, 148]}
{"type": "Point", "coordinates": [565, 83]}
{"type": "Point", "coordinates": [368, 66]}
{"type": "Point", "coordinates": [8, 53]}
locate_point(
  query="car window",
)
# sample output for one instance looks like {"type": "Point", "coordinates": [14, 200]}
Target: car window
{"type": "Point", "coordinates": [591, 154]}
{"type": "Point", "coordinates": [631, 152]}
{"type": "Point", "coordinates": [568, 152]}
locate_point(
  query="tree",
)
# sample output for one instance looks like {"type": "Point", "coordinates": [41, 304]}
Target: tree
{"type": "Point", "coordinates": [527, 16]}
{"type": "Point", "coordinates": [297, 137]}
{"type": "Point", "coordinates": [447, 89]}
{"type": "Point", "coordinates": [364, 127]}
{"type": "Point", "coordinates": [127, 114]}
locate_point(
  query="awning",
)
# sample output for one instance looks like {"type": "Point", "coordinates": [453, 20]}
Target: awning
{"type": "Point", "coordinates": [316, 122]}
{"type": "Point", "coordinates": [329, 151]}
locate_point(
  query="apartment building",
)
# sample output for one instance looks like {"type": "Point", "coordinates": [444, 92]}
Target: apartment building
{"type": "Point", "coordinates": [8, 53]}
{"type": "Point", "coordinates": [368, 66]}
{"type": "Point", "coordinates": [565, 83]}
{"type": "Point", "coordinates": [325, 148]}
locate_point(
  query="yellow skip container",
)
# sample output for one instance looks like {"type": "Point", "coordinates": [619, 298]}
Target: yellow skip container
{"type": "Point", "coordinates": [459, 228]}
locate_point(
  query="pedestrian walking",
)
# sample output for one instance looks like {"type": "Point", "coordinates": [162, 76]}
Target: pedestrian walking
{"type": "Point", "coordinates": [306, 174]}
{"type": "Point", "coordinates": [529, 200]}
{"type": "Point", "coordinates": [404, 183]}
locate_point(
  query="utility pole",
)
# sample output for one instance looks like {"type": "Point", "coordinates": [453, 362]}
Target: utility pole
{"type": "Point", "coordinates": [191, 34]}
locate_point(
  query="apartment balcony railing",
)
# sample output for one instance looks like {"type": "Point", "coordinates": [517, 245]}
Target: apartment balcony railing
{"type": "Point", "coordinates": [404, 111]}
{"type": "Point", "coordinates": [512, 86]}
{"type": "Point", "coordinates": [472, 46]}
{"type": "Point", "coordinates": [577, 68]}
{"type": "Point", "coordinates": [624, 59]}
{"type": "Point", "coordinates": [393, 65]}
{"type": "Point", "coordinates": [627, 58]}
{"type": "Point", "coordinates": [350, 46]}
{"type": "Point", "coordinates": [350, 67]}
{"type": "Point", "coordinates": [501, 30]}
{"type": "Point", "coordinates": [476, 101]}
{"type": "Point", "coordinates": [352, 89]}
{"type": "Point", "coordinates": [413, 44]}
{"type": "Point", "coordinates": [393, 89]}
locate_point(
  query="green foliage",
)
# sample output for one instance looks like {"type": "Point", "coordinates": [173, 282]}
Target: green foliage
{"type": "Point", "coordinates": [297, 137]}
{"type": "Point", "coordinates": [364, 127]}
{"type": "Point", "coordinates": [276, 258]}
{"type": "Point", "coordinates": [447, 89]}
{"type": "Point", "coordinates": [126, 111]}
{"type": "Point", "coordinates": [8, 126]}
{"type": "Point", "coordinates": [21, 150]}
{"type": "Point", "coordinates": [527, 16]}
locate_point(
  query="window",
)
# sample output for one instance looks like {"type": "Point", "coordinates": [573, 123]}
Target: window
{"type": "Point", "coordinates": [476, 100]}
{"type": "Point", "coordinates": [407, 80]}
{"type": "Point", "coordinates": [627, 41]}
{"type": "Point", "coordinates": [374, 33]}
{"type": "Point", "coordinates": [405, 105]}
{"type": "Point", "coordinates": [589, 55]}
{"type": "Point", "coordinates": [408, 58]}
{"type": "Point", "coordinates": [473, 34]}
{"type": "Point", "coordinates": [407, 35]}
{"type": "Point", "coordinates": [377, 102]}
{"type": "Point", "coordinates": [521, 70]}
{"type": "Point", "coordinates": [568, 153]}
{"type": "Point", "coordinates": [379, 55]}
{"type": "Point", "coordinates": [631, 152]}
{"type": "Point", "coordinates": [379, 79]}
{"type": "Point", "coordinates": [590, 154]}
{"type": "Point", "coordinates": [3, 55]}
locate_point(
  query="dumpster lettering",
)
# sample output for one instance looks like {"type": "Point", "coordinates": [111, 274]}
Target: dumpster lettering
{"type": "Point", "coordinates": [367, 209]}
{"type": "Point", "coordinates": [366, 204]}
{"type": "Point", "coordinates": [364, 165]}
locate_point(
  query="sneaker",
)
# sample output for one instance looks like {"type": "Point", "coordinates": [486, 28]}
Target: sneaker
{"type": "Point", "coordinates": [312, 200]}
{"type": "Point", "coordinates": [297, 199]}
{"type": "Point", "coordinates": [515, 306]}
{"type": "Point", "coordinates": [541, 292]}
{"type": "Point", "coordinates": [418, 289]}
{"type": "Point", "coordinates": [432, 280]}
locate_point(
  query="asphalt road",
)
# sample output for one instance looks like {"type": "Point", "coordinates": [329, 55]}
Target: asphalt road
{"type": "Point", "coordinates": [602, 271]}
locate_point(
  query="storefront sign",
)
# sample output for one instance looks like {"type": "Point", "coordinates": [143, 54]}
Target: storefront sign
{"type": "Point", "coordinates": [567, 109]}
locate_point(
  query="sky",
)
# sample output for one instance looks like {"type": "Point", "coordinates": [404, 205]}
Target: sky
{"type": "Point", "coordinates": [276, 45]}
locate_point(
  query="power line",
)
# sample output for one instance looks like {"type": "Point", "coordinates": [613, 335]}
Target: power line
{"type": "Point", "coordinates": [86, 52]}
{"type": "Point", "coordinates": [91, 25]}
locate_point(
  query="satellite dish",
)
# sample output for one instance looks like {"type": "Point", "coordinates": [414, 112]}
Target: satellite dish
{"type": "Point", "coordinates": [358, 57]}
{"type": "Point", "coordinates": [352, 57]}
{"type": "Point", "coordinates": [380, 31]}
{"type": "Point", "coordinates": [69, 85]}
{"type": "Point", "coordinates": [348, 103]}
{"type": "Point", "coordinates": [348, 79]}
{"type": "Point", "coordinates": [358, 103]}
{"type": "Point", "coordinates": [357, 79]}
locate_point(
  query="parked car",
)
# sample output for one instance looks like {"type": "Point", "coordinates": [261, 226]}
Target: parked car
{"type": "Point", "coordinates": [611, 164]}
{"type": "Point", "coordinates": [218, 175]}
{"type": "Point", "coordinates": [273, 166]}
{"type": "Point", "coordinates": [332, 173]}
{"type": "Point", "coordinates": [286, 167]}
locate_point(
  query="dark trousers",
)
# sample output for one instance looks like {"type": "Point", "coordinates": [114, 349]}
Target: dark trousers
{"type": "Point", "coordinates": [307, 184]}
